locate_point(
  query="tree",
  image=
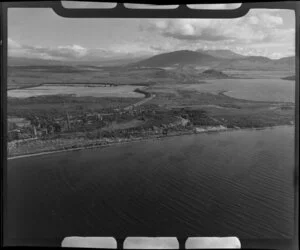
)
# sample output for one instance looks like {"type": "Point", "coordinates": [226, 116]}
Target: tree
{"type": "Point", "coordinates": [57, 128]}
{"type": "Point", "coordinates": [165, 131]}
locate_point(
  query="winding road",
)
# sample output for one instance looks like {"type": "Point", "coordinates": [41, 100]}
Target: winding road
{"type": "Point", "coordinates": [140, 102]}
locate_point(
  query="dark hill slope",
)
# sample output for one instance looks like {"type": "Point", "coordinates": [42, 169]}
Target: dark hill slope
{"type": "Point", "coordinates": [222, 53]}
{"type": "Point", "coordinates": [258, 63]}
{"type": "Point", "coordinates": [218, 59]}
{"type": "Point", "coordinates": [178, 58]}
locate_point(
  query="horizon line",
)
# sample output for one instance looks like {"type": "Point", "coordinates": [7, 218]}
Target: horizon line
{"type": "Point", "coordinates": [141, 56]}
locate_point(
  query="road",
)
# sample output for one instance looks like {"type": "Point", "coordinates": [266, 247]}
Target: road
{"type": "Point", "coordinates": [140, 102]}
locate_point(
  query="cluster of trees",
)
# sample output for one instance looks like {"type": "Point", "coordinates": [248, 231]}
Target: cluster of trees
{"type": "Point", "coordinates": [159, 119]}
{"type": "Point", "coordinates": [247, 122]}
{"type": "Point", "coordinates": [142, 92]}
{"type": "Point", "coordinates": [12, 135]}
{"type": "Point", "coordinates": [197, 117]}
{"type": "Point", "coordinates": [24, 133]}
{"type": "Point", "coordinates": [120, 133]}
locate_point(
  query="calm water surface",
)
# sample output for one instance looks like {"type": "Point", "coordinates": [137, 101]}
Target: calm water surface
{"type": "Point", "coordinates": [276, 90]}
{"type": "Point", "coordinates": [232, 183]}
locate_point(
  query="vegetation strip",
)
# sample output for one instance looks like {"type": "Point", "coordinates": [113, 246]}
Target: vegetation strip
{"type": "Point", "coordinates": [128, 141]}
{"type": "Point", "coordinates": [74, 148]}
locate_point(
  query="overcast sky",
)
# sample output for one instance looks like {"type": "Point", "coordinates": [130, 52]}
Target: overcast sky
{"type": "Point", "coordinates": [40, 33]}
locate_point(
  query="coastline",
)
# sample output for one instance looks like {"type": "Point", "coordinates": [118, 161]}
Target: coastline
{"type": "Point", "coordinates": [92, 144]}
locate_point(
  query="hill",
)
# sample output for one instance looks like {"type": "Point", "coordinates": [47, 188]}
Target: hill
{"type": "Point", "coordinates": [288, 62]}
{"type": "Point", "coordinates": [222, 53]}
{"type": "Point", "coordinates": [218, 59]}
{"type": "Point", "coordinates": [258, 63]}
{"type": "Point", "coordinates": [178, 58]}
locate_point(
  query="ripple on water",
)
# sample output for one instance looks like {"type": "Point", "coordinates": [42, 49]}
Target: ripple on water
{"type": "Point", "coordinates": [232, 183]}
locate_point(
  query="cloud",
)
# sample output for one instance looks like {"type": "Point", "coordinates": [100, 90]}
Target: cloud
{"type": "Point", "coordinates": [60, 52]}
{"type": "Point", "coordinates": [130, 48]}
{"type": "Point", "coordinates": [260, 32]}
{"type": "Point", "coordinates": [269, 20]}
{"type": "Point", "coordinates": [66, 52]}
{"type": "Point", "coordinates": [255, 26]}
{"type": "Point", "coordinates": [12, 44]}
{"type": "Point", "coordinates": [78, 52]}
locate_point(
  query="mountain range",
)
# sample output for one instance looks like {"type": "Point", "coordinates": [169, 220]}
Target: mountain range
{"type": "Point", "coordinates": [217, 59]}
{"type": "Point", "coordinates": [221, 53]}
{"type": "Point", "coordinates": [24, 61]}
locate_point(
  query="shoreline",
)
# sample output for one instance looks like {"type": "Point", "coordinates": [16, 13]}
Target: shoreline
{"type": "Point", "coordinates": [126, 141]}
{"type": "Point", "coordinates": [223, 93]}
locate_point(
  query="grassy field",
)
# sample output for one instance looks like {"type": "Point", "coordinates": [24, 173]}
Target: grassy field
{"type": "Point", "coordinates": [23, 76]}
{"type": "Point", "coordinates": [60, 104]}
{"type": "Point", "coordinates": [219, 106]}
{"type": "Point", "coordinates": [230, 111]}
{"type": "Point", "coordinates": [19, 77]}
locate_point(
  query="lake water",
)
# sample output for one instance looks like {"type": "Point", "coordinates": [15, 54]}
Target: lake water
{"type": "Point", "coordinates": [237, 183]}
{"type": "Point", "coordinates": [277, 90]}
{"type": "Point", "coordinates": [78, 90]}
